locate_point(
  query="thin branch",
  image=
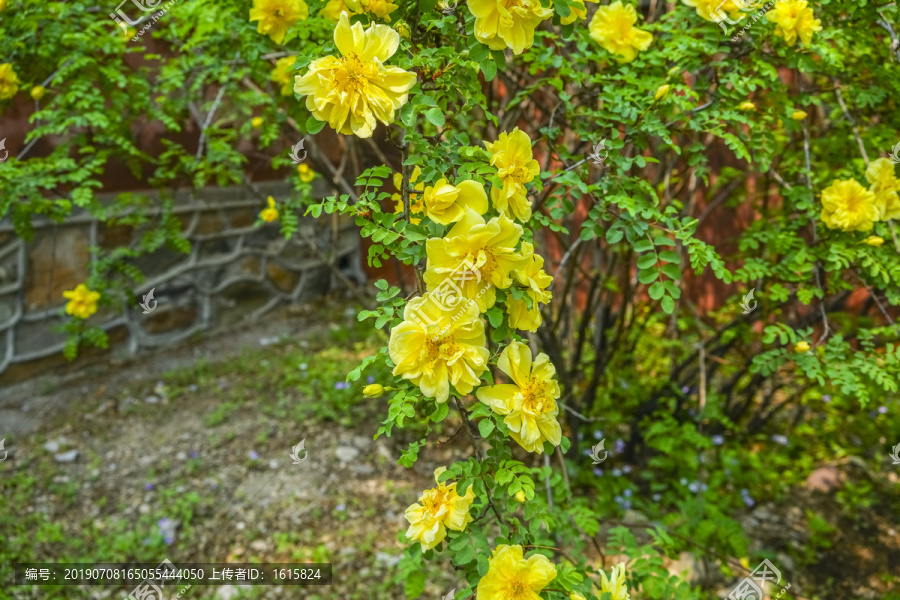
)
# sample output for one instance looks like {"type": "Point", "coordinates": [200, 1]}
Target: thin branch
{"type": "Point", "coordinates": [212, 110]}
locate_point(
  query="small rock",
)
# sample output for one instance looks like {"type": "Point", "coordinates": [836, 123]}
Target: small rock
{"type": "Point", "coordinates": [112, 467]}
{"type": "Point", "coordinates": [346, 453]}
{"type": "Point", "coordinates": [362, 469]}
{"type": "Point", "coordinates": [240, 525]}
{"type": "Point", "coordinates": [259, 545]}
{"type": "Point", "coordinates": [825, 479]}
{"type": "Point", "coordinates": [151, 399]}
{"type": "Point", "coordinates": [686, 563]}
{"type": "Point", "coordinates": [143, 509]}
{"type": "Point", "coordinates": [633, 517]}
{"type": "Point", "coordinates": [362, 442]}
{"type": "Point", "coordinates": [181, 456]}
{"type": "Point", "coordinates": [273, 464]}
{"type": "Point", "coordinates": [52, 446]}
{"type": "Point", "coordinates": [226, 592]}
{"type": "Point", "coordinates": [67, 457]}
{"type": "Point", "coordinates": [388, 560]}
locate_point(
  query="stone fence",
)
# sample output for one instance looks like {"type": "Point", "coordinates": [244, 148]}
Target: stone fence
{"type": "Point", "coordinates": [234, 271]}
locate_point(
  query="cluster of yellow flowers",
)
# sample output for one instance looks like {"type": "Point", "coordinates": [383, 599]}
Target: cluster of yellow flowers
{"type": "Point", "coordinates": [849, 206]}
{"type": "Point", "coordinates": [793, 18]}
{"type": "Point", "coordinates": [9, 81]}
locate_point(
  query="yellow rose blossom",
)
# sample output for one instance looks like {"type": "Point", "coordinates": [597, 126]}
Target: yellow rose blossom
{"type": "Point", "coordinates": [849, 206]}
{"type": "Point", "coordinates": [355, 91]}
{"type": "Point", "coordinates": [256, 122]}
{"type": "Point", "coordinates": [579, 12]}
{"type": "Point", "coordinates": [402, 27]}
{"type": "Point", "coordinates": [501, 24]}
{"type": "Point", "coordinates": [802, 347]}
{"type": "Point", "coordinates": [445, 203]}
{"type": "Point", "coordinates": [9, 81]}
{"type": "Point", "coordinates": [661, 92]}
{"type": "Point", "coordinates": [38, 92]}
{"type": "Point", "coordinates": [277, 16]}
{"type": "Point", "coordinates": [306, 174]}
{"type": "Point", "coordinates": [713, 10]}
{"type": "Point", "coordinates": [529, 403]}
{"type": "Point", "coordinates": [282, 74]}
{"type": "Point", "coordinates": [794, 19]}
{"type": "Point", "coordinates": [373, 390]}
{"type": "Point", "coordinates": [746, 106]}
{"type": "Point", "coordinates": [874, 240]}
{"type": "Point", "coordinates": [438, 509]}
{"type": "Point", "coordinates": [416, 201]}
{"type": "Point", "coordinates": [613, 28]}
{"type": "Point", "coordinates": [885, 186]}
{"type": "Point", "coordinates": [615, 585]}
{"type": "Point", "coordinates": [511, 576]}
{"type": "Point", "coordinates": [798, 115]}
{"type": "Point", "coordinates": [82, 301]}
{"type": "Point", "coordinates": [515, 163]}
{"type": "Point", "coordinates": [380, 8]}
{"type": "Point", "coordinates": [332, 11]}
{"type": "Point", "coordinates": [483, 250]}
{"type": "Point", "coordinates": [537, 281]}
{"type": "Point", "coordinates": [436, 348]}
{"type": "Point", "coordinates": [269, 214]}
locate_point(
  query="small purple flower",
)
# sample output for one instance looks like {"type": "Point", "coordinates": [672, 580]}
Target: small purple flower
{"type": "Point", "coordinates": [167, 529]}
{"type": "Point", "coordinates": [826, 398]}
{"type": "Point", "coordinates": [626, 469]}
{"type": "Point", "coordinates": [683, 481]}
{"type": "Point", "coordinates": [340, 507]}
{"type": "Point", "coordinates": [882, 409]}
{"type": "Point", "coordinates": [214, 485]}
{"type": "Point", "coordinates": [718, 440]}
{"type": "Point", "coordinates": [616, 472]}
{"type": "Point", "coordinates": [598, 472]}
{"type": "Point", "coordinates": [780, 439]}
{"type": "Point", "coordinates": [749, 501]}
{"type": "Point", "coordinates": [626, 505]}
{"type": "Point", "coordinates": [656, 497]}
{"type": "Point", "coordinates": [598, 435]}
{"type": "Point", "coordinates": [685, 390]}
{"type": "Point", "coordinates": [619, 446]}
{"type": "Point", "coordinates": [693, 486]}
{"type": "Point", "coordinates": [193, 454]}
{"type": "Point", "coordinates": [149, 486]}
{"type": "Point", "coordinates": [341, 385]}
{"type": "Point", "coordinates": [619, 499]}
{"type": "Point", "coordinates": [222, 384]}
{"type": "Point", "coordinates": [627, 493]}
{"type": "Point", "coordinates": [370, 379]}
{"type": "Point", "coordinates": [253, 455]}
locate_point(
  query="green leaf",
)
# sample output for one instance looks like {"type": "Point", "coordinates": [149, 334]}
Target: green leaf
{"type": "Point", "coordinates": [485, 427]}
{"type": "Point", "coordinates": [668, 304]}
{"type": "Point", "coordinates": [435, 116]}
{"type": "Point", "coordinates": [313, 125]}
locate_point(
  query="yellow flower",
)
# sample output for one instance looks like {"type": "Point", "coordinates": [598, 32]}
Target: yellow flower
{"type": "Point", "coordinates": [520, 496]}
{"type": "Point", "coordinates": [277, 16]}
{"type": "Point", "coordinates": [445, 203]}
{"type": "Point", "coordinates": [353, 92]}
{"type": "Point", "coordinates": [306, 174]}
{"type": "Point", "coordinates": [9, 82]}
{"type": "Point", "coordinates": [332, 11]}
{"type": "Point", "coordinates": [269, 214]}
{"type": "Point", "coordinates": [848, 206]}
{"type": "Point", "coordinates": [474, 259]}
{"type": "Point", "coordinates": [575, 596]}
{"type": "Point", "coordinates": [529, 403]}
{"type": "Point", "coordinates": [281, 74]}
{"type": "Point", "coordinates": [874, 240]}
{"type": "Point", "coordinates": [537, 281]}
{"type": "Point", "coordinates": [711, 10]}
{"type": "Point", "coordinates": [512, 156]}
{"type": "Point", "coordinates": [511, 577]}
{"type": "Point", "coordinates": [793, 19]}
{"type": "Point", "coordinates": [613, 28]}
{"type": "Point", "coordinates": [82, 301]}
{"type": "Point", "coordinates": [507, 23]}
{"type": "Point", "coordinates": [436, 348]}
{"type": "Point", "coordinates": [661, 92]}
{"type": "Point", "coordinates": [416, 201]}
{"type": "Point", "coordinates": [38, 92]}
{"type": "Point", "coordinates": [885, 186]}
{"type": "Point", "coordinates": [2, 5]}
{"type": "Point", "coordinates": [256, 122]}
{"type": "Point", "coordinates": [379, 8]}
{"type": "Point", "coordinates": [373, 390]}
{"type": "Point", "coordinates": [437, 510]}
{"type": "Point", "coordinates": [579, 11]}
{"type": "Point", "coordinates": [798, 115]}
{"type": "Point", "coordinates": [746, 106]}
{"type": "Point", "coordinates": [802, 347]}
{"type": "Point", "coordinates": [615, 585]}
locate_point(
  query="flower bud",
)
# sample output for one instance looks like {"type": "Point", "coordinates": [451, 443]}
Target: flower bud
{"type": "Point", "coordinates": [520, 496]}
{"type": "Point", "coordinates": [874, 240]}
{"type": "Point", "coordinates": [661, 92]}
{"type": "Point", "coordinates": [798, 115]}
{"type": "Point", "coordinates": [802, 346]}
{"type": "Point", "coordinates": [257, 122]}
{"type": "Point", "coordinates": [403, 29]}
{"type": "Point", "coordinates": [373, 390]}
{"type": "Point", "coordinates": [38, 91]}
{"type": "Point", "coordinates": [746, 106]}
